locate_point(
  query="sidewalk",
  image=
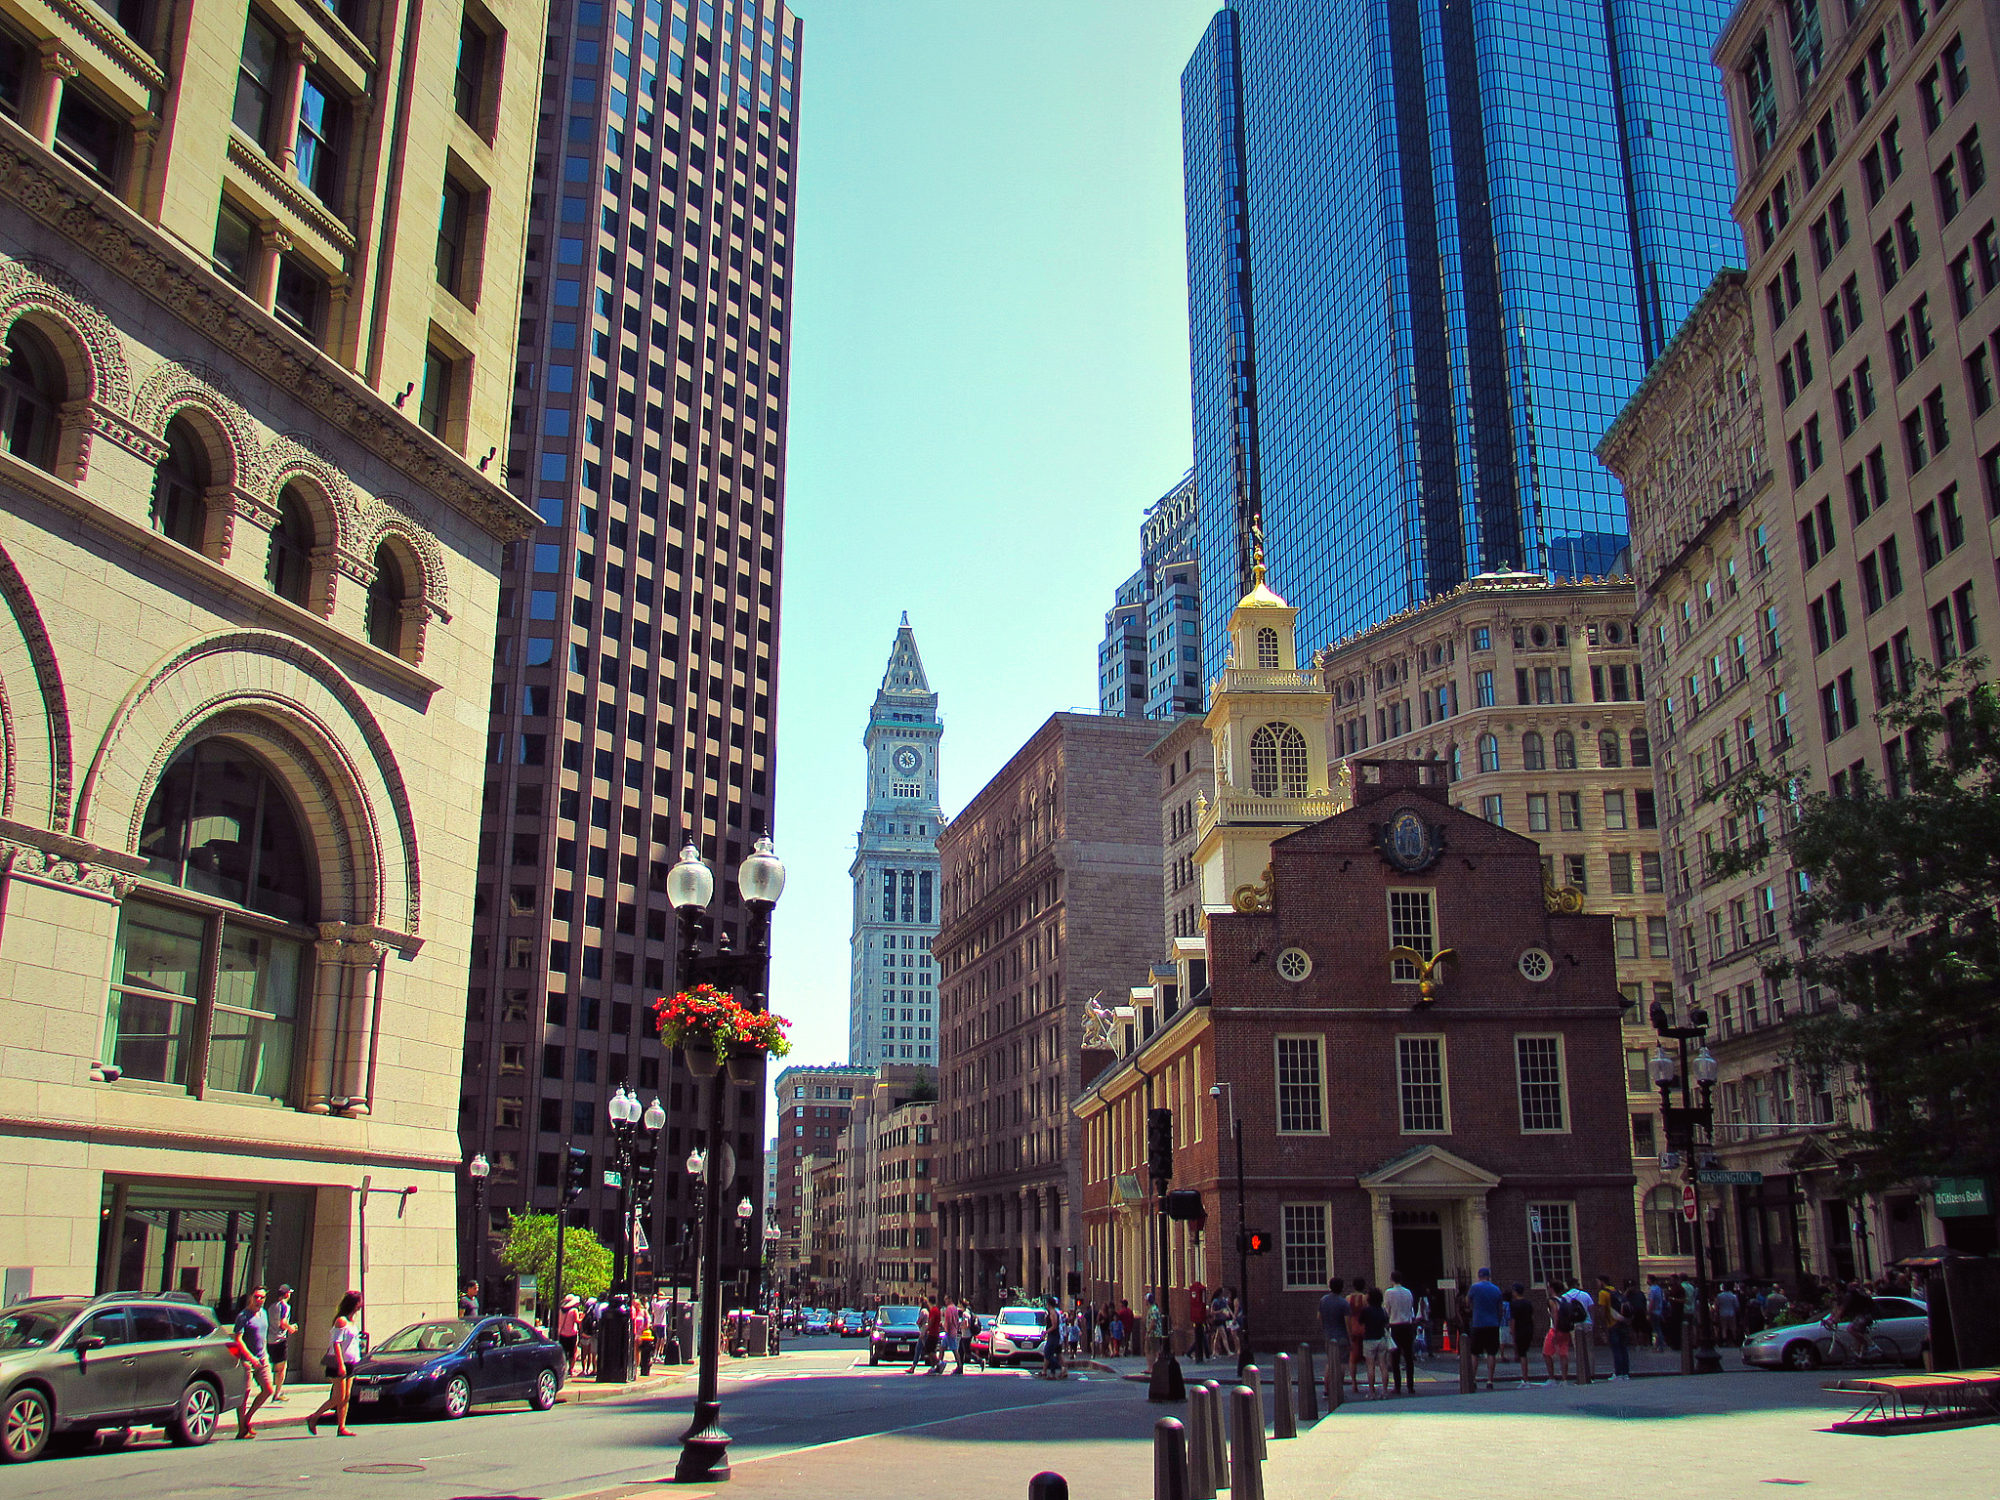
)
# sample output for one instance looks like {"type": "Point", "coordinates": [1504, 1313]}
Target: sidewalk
{"type": "Point", "coordinates": [1437, 1375]}
{"type": "Point", "coordinates": [302, 1400]}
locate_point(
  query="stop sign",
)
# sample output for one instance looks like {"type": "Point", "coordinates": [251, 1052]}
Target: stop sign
{"type": "Point", "coordinates": [1687, 1202]}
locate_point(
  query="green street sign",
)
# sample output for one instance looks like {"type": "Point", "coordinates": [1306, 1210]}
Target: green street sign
{"type": "Point", "coordinates": [1719, 1178]}
{"type": "Point", "coordinates": [1961, 1197]}
{"type": "Point", "coordinates": [614, 1179]}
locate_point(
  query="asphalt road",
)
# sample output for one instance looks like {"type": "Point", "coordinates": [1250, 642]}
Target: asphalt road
{"type": "Point", "coordinates": [816, 1421]}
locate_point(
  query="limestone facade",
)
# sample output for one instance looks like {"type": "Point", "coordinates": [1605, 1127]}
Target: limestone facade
{"type": "Point", "coordinates": [249, 607]}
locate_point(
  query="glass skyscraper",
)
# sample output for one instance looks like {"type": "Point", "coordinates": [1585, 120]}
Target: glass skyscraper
{"type": "Point", "coordinates": [1432, 247]}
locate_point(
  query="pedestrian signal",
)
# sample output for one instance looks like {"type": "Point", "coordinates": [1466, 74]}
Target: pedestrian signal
{"type": "Point", "coordinates": [1256, 1242]}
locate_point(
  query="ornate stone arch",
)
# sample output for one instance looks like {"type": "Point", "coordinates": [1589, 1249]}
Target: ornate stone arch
{"type": "Point", "coordinates": [36, 780]}
{"type": "Point", "coordinates": [384, 518]}
{"type": "Point", "coordinates": [318, 724]}
{"type": "Point", "coordinates": [172, 389]}
{"type": "Point", "coordinates": [93, 354]}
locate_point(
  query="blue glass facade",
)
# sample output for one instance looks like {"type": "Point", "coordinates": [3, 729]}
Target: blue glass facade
{"type": "Point", "coordinates": [1460, 231]}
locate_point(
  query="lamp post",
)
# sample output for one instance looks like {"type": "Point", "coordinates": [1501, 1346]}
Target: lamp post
{"type": "Point", "coordinates": [479, 1169]}
{"type": "Point", "coordinates": [690, 887]}
{"type": "Point", "coordinates": [1218, 1091]}
{"type": "Point", "coordinates": [635, 1143]}
{"type": "Point", "coordinates": [1683, 1121]}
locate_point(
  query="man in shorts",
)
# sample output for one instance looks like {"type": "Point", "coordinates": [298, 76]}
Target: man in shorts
{"type": "Point", "coordinates": [282, 1328]}
{"type": "Point", "coordinates": [1333, 1328]}
{"type": "Point", "coordinates": [1564, 1321]}
{"type": "Point", "coordinates": [1485, 1297]}
{"type": "Point", "coordinates": [1522, 1308]}
{"type": "Point", "coordinates": [253, 1335]}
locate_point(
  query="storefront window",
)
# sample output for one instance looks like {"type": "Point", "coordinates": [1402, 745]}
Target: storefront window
{"type": "Point", "coordinates": [211, 1243]}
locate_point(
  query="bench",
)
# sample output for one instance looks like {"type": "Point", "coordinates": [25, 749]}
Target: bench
{"type": "Point", "coordinates": [1946, 1397]}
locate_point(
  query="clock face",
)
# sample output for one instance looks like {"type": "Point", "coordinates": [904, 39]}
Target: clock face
{"type": "Point", "coordinates": [907, 759]}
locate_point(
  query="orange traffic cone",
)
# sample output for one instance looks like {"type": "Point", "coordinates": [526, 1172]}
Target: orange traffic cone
{"type": "Point", "coordinates": [1448, 1346]}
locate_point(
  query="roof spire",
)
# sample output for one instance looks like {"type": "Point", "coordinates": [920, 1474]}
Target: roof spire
{"type": "Point", "coordinates": [1257, 552]}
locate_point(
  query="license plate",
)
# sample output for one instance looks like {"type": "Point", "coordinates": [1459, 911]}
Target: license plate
{"type": "Point", "coordinates": [366, 1396]}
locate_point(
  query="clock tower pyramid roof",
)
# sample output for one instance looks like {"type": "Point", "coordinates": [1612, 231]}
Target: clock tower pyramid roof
{"type": "Point", "coordinates": [903, 680]}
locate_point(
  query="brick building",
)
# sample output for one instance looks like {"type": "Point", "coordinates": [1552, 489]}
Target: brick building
{"type": "Point", "coordinates": [1051, 895]}
{"type": "Point", "coordinates": [904, 1210]}
{"type": "Point", "coordinates": [1484, 1125]}
{"type": "Point", "coordinates": [814, 1105]}
{"type": "Point", "coordinates": [825, 1271]}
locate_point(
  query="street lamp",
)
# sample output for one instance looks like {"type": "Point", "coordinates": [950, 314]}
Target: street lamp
{"type": "Point", "coordinates": [691, 886]}
{"type": "Point", "coordinates": [635, 1145]}
{"type": "Point", "coordinates": [479, 1169]}
{"type": "Point", "coordinates": [1217, 1091]}
{"type": "Point", "coordinates": [1683, 1121]}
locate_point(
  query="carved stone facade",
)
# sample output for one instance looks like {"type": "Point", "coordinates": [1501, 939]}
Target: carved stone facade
{"type": "Point", "coordinates": [247, 614]}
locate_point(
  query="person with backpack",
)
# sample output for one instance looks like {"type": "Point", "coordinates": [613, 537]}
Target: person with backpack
{"type": "Point", "coordinates": [1618, 1331]}
{"type": "Point", "coordinates": [1556, 1342]}
{"type": "Point", "coordinates": [593, 1311]}
{"type": "Point", "coordinates": [1582, 1330]}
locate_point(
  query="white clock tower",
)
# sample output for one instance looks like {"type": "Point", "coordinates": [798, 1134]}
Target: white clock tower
{"type": "Point", "coordinates": [892, 993]}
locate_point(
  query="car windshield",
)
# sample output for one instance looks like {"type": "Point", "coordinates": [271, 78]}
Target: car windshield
{"type": "Point", "coordinates": [1021, 1317]}
{"type": "Point", "coordinates": [426, 1338]}
{"type": "Point", "coordinates": [34, 1327]}
{"type": "Point", "coordinates": [897, 1317]}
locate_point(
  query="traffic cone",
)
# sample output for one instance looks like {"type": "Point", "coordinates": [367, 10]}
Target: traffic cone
{"type": "Point", "coordinates": [1447, 1348]}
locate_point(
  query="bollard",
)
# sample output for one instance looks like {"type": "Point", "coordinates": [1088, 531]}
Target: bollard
{"type": "Point", "coordinates": [1468, 1371]}
{"type": "Point", "coordinates": [1170, 1460]}
{"type": "Point", "coordinates": [1283, 1418]}
{"type": "Point", "coordinates": [1218, 1436]}
{"type": "Point", "coordinates": [1254, 1378]}
{"type": "Point", "coordinates": [1048, 1485]}
{"type": "Point", "coordinates": [1308, 1386]}
{"type": "Point", "coordinates": [1201, 1480]}
{"type": "Point", "coordinates": [1246, 1434]}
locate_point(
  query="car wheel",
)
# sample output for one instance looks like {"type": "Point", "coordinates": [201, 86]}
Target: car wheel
{"type": "Point", "coordinates": [1801, 1354]}
{"type": "Point", "coordinates": [195, 1416]}
{"type": "Point", "coordinates": [457, 1397]}
{"type": "Point", "coordinates": [545, 1391]}
{"type": "Point", "coordinates": [26, 1423]}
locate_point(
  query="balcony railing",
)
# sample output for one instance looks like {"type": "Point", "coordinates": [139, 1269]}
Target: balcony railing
{"type": "Point", "coordinates": [1233, 806]}
{"type": "Point", "coordinates": [1271, 680]}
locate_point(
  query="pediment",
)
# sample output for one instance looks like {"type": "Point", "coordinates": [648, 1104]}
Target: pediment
{"type": "Point", "coordinates": [1431, 1168]}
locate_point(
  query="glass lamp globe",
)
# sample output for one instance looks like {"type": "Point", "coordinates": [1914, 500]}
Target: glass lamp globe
{"type": "Point", "coordinates": [690, 883]}
{"type": "Point", "coordinates": [478, 1166]}
{"type": "Point", "coordinates": [1663, 1067]}
{"type": "Point", "coordinates": [743, 1208]}
{"type": "Point", "coordinates": [656, 1116]}
{"type": "Point", "coordinates": [762, 877]}
{"type": "Point", "coordinates": [1704, 1066]}
{"type": "Point", "coordinates": [694, 1164]}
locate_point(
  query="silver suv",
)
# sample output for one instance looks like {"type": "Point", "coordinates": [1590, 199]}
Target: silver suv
{"type": "Point", "coordinates": [75, 1365]}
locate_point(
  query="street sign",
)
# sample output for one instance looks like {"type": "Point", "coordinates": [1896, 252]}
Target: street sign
{"type": "Point", "coordinates": [1961, 1197]}
{"type": "Point", "coordinates": [1687, 1203]}
{"type": "Point", "coordinates": [1670, 1161]}
{"type": "Point", "coordinates": [613, 1179]}
{"type": "Point", "coordinates": [1722, 1178]}
{"type": "Point", "coordinates": [640, 1244]}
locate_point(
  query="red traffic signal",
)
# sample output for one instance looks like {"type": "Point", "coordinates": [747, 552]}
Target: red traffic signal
{"type": "Point", "coordinates": [1256, 1242]}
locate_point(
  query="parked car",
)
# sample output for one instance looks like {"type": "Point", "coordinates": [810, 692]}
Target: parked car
{"type": "Point", "coordinates": [447, 1366]}
{"type": "Point", "coordinates": [75, 1366]}
{"type": "Point", "coordinates": [897, 1333]}
{"type": "Point", "coordinates": [1017, 1336]}
{"type": "Point", "coordinates": [1901, 1332]}
{"type": "Point", "coordinates": [848, 1323]}
{"type": "Point", "coordinates": [818, 1320]}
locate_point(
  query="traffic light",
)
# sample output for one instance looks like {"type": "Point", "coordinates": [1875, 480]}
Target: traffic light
{"type": "Point", "coordinates": [1160, 1143]}
{"type": "Point", "coordinates": [1184, 1204]}
{"type": "Point", "coordinates": [1254, 1242]}
{"type": "Point", "coordinates": [576, 1176]}
{"type": "Point", "coordinates": [645, 1157]}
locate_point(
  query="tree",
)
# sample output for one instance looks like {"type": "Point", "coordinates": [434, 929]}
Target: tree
{"type": "Point", "coordinates": [530, 1250]}
{"type": "Point", "coordinates": [1898, 921]}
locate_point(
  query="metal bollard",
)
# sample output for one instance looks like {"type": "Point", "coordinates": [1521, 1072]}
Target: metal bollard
{"type": "Point", "coordinates": [1218, 1435]}
{"type": "Point", "coordinates": [1468, 1372]}
{"type": "Point", "coordinates": [1200, 1485]}
{"type": "Point", "coordinates": [1254, 1378]}
{"type": "Point", "coordinates": [1308, 1386]}
{"type": "Point", "coordinates": [1048, 1485]}
{"type": "Point", "coordinates": [1246, 1436]}
{"type": "Point", "coordinates": [1170, 1460]}
{"type": "Point", "coordinates": [1283, 1420]}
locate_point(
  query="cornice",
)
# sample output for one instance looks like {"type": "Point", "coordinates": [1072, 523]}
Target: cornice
{"type": "Point", "coordinates": [130, 248]}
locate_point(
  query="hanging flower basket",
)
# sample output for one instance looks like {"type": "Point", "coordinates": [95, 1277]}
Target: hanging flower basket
{"type": "Point", "coordinates": [702, 1059]}
{"type": "Point", "coordinates": [711, 1028]}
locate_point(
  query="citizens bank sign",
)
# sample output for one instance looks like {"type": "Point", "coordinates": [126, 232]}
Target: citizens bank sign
{"type": "Point", "coordinates": [1961, 1197]}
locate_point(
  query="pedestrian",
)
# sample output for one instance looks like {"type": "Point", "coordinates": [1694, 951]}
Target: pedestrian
{"type": "Point", "coordinates": [593, 1311]}
{"type": "Point", "coordinates": [253, 1341]}
{"type": "Point", "coordinates": [1423, 1325]}
{"type": "Point", "coordinates": [928, 1323]}
{"type": "Point", "coordinates": [343, 1352]}
{"type": "Point", "coordinates": [1485, 1297]}
{"type": "Point", "coordinates": [1198, 1321]}
{"type": "Point", "coordinates": [1522, 1325]}
{"type": "Point", "coordinates": [1726, 1309]}
{"type": "Point", "coordinates": [968, 1327]}
{"type": "Point", "coordinates": [468, 1301]}
{"type": "Point", "coordinates": [1580, 1303]}
{"type": "Point", "coordinates": [1218, 1324]}
{"type": "Point", "coordinates": [1357, 1303]}
{"type": "Point", "coordinates": [1157, 1334]}
{"type": "Point", "coordinates": [282, 1329]}
{"type": "Point", "coordinates": [1115, 1333]}
{"type": "Point", "coordinates": [1375, 1342]}
{"type": "Point", "coordinates": [1562, 1326]}
{"type": "Point", "coordinates": [947, 1337]}
{"type": "Point", "coordinates": [568, 1321]}
{"type": "Point", "coordinates": [1401, 1307]}
{"type": "Point", "coordinates": [1617, 1333]}
{"type": "Point", "coordinates": [1052, 1365]}
{"type": "Point", "coordinates": [1333, 1328]}
{"type": "Point", "coordinates": [1656, 1312]}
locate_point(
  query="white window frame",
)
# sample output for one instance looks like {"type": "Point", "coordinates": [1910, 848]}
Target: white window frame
{"type": "Point", "coordinates": [1537, 1266]}
{"type": "Point", "coordinates": [1401, 970]}
{"type": "Point", "coordinates": [1318, 1044]}
{"type": "Point", "coordinates": [1562, 1083]}
{"type": "Point", "coordinates": [1324, 1212]}
{"type": "Point", "coordinates": [1444, 1081]}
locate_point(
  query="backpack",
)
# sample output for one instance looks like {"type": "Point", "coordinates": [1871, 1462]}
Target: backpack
{"type": "Point", "coordinates": [590, 1319]}
{"type": "Point", "coordinates": [1567, 1316]}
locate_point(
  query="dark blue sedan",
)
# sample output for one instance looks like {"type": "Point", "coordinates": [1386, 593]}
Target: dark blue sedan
{"type": "Point", "coordinates": [446, 1367]}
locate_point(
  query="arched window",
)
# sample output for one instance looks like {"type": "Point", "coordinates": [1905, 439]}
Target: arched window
{"type": "Point", "coordinates": [1489, 753]}
{"type": "Point", "coordinates": [387, 594]}
{"type": "Point", "coordinates": [1608, 749]}
{"type": "Point", "coordinates": [1667, 1232]}
{"type": "Point", "coordinates": [32, 391]}
{"type": "Point", "coordinates": [179, 512]}
{"type": "Point", "coordinates": [1642, 748]}
{"type": "Point", "coordinates": [289, 570]}
{"type": "Point", "coordinates": [1278, 761]}
{"type": "Point", "coordinates": [1267, 648]}
{"type": "Point", "coordinates": [222, 831]}
{"type": "Point", "coordinates": [1532, 757]}
{"type": "Point", "coordinates": [1565, 750]}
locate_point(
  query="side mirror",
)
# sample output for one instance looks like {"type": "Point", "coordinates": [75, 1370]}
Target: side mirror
{"type": "Point", "coordinates": [488, 1338]}
{"type": "Point", "coordinates": [88, 1342]}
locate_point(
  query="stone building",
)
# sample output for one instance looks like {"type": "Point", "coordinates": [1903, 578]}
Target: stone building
{"type": "Point", "coordinates": [904, 1211]}
{"type": "Point", "coordinates": [1185, 756]}
{"type": "Point", "coordinates": [633, 690]}
{"type": "Point", "coordinates": [250, 537]}
{"type": "Point", "coordinates": [814, 1105]}
{"type": "Point", "coordinates": [1051, 896]}
{"type": "Point", "coordinates": [825, 1278]}
{"type": "Point", "coordinates": [1531, 696]}
{"type": "Point", "coordinates": [886, 1090]}
{"type": "Point", "coordinates": [1422, 1051]}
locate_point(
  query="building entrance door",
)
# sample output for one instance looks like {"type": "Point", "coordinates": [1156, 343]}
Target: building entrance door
{"type": "Point", "coordinates": [212, 1242]}
{"type": "Point", "coordinates": [1417, 1246]}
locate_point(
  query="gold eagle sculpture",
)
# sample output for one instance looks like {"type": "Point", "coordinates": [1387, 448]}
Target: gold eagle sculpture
{"type": "Point", "coordinates": [1427, 986]}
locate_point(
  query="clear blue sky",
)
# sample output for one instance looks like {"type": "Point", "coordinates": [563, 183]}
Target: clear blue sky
{"type": "Point", "coordinates": [989, 385]}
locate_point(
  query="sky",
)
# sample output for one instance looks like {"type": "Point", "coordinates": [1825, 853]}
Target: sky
{"type": "Point", "coordinates": [989, 384]}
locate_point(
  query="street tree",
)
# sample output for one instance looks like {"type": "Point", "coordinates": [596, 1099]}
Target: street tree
{"type": "Point", "coordinates": [529, 1249]}
{"type": "Point", "coordinates": [1897, 918]}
